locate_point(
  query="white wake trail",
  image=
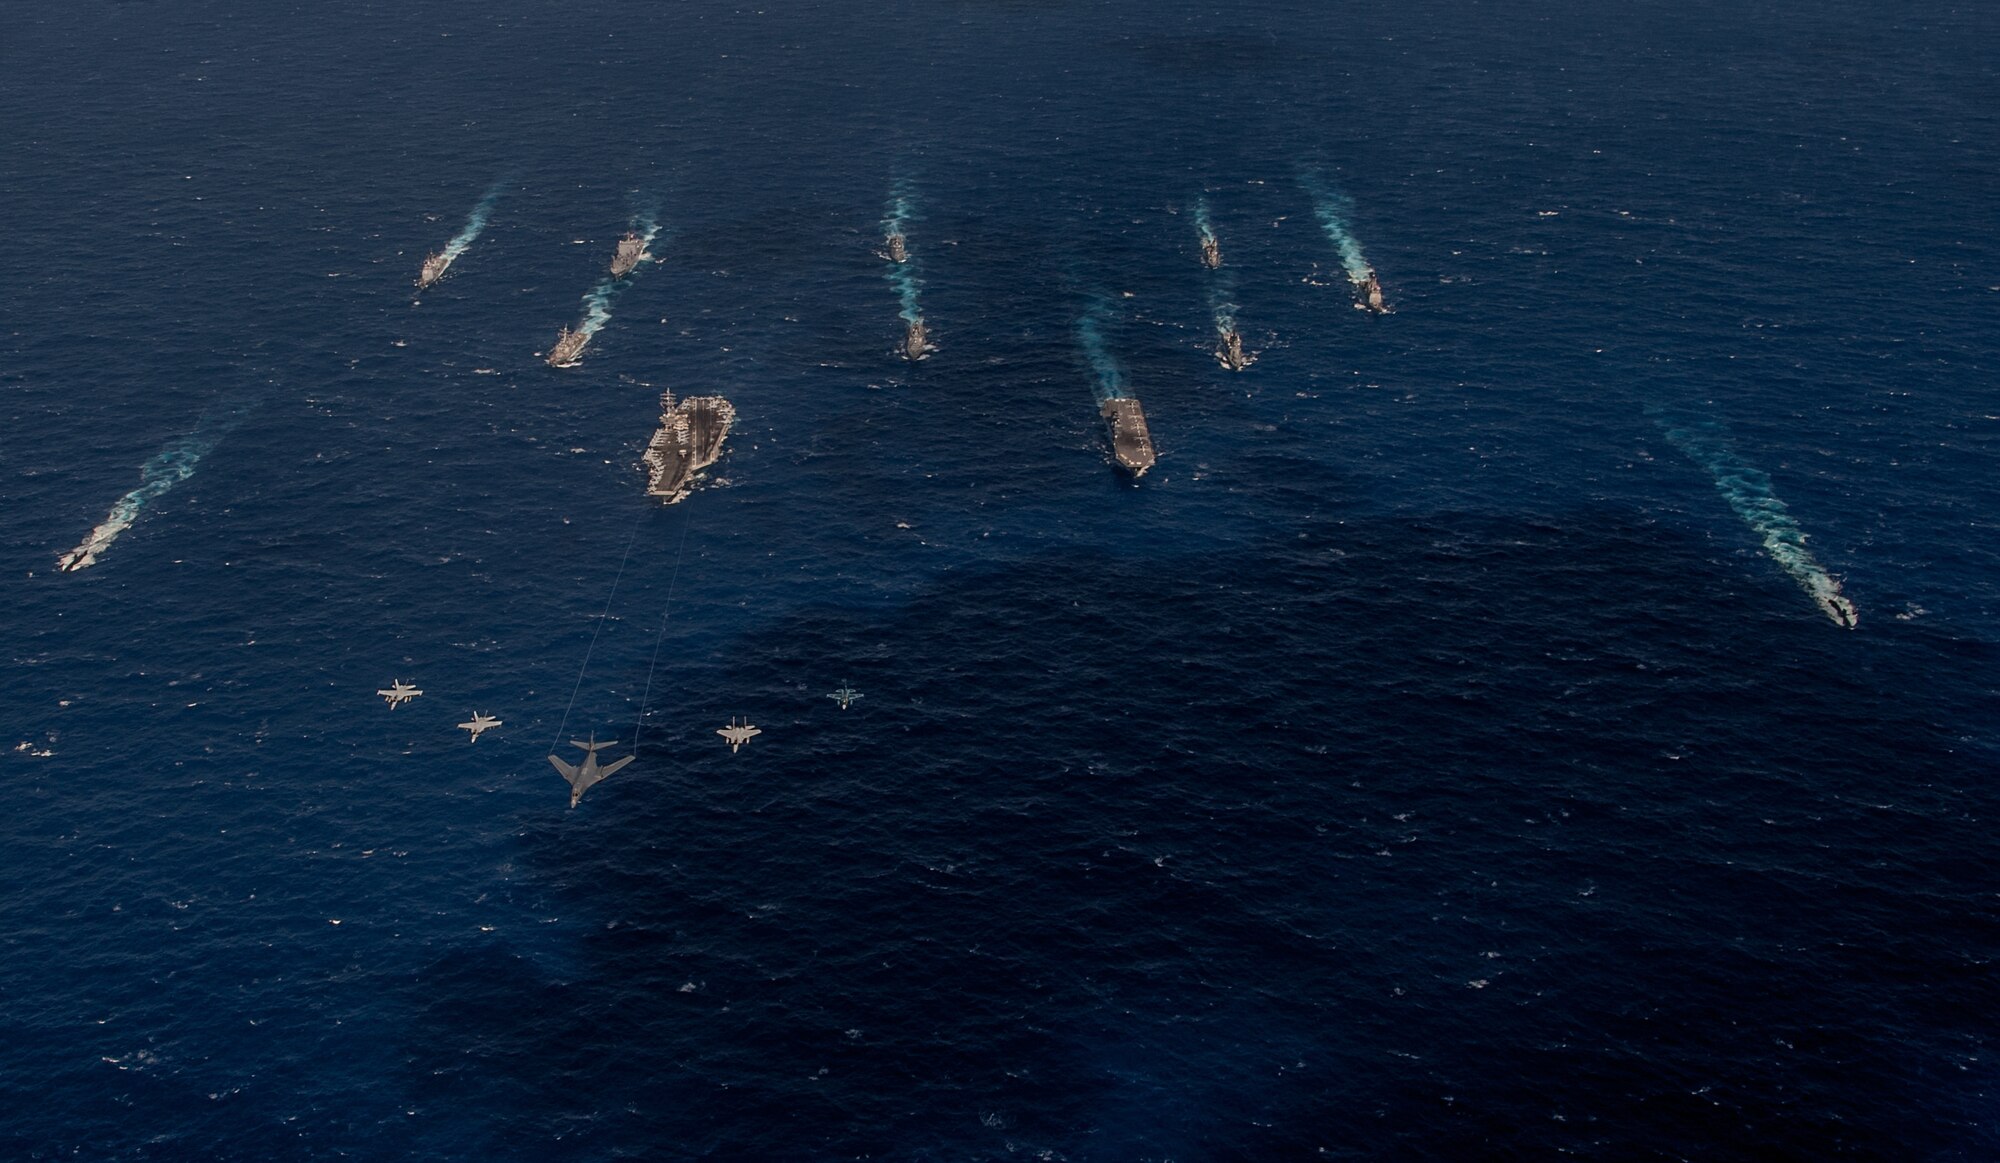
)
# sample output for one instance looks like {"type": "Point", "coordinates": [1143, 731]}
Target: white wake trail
{"type": "Point", "coordinates": [1748, 491]}
{"type": "Point", "coordinates": [172, 465]}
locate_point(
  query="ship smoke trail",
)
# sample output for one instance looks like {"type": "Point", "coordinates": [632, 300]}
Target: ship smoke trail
{"type": "Point", "coordinates": [1332, 209]}
{"type": "Point", "coordinates": [169, 467]}
{"type": "Point", "coordinates": [597, 304]}
{"type": "Point", "coordinates": [1748, 491]}
{"type": "Point", "coordinates": [1110, 383]}
{"type": "Point", "coordinates": [474, 223]}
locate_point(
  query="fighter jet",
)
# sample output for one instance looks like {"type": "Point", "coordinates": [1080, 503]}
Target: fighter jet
{"type": "Point", "coordinates": [845, 695]}
{"type": "Point", "coordinates": [479, 723]}
{"type": "Point", "coordinates": [737, 733]}
{"type": "Point", "coordinates": [582, 779]}
{"type": "Point", "coordinates": [399, 692]}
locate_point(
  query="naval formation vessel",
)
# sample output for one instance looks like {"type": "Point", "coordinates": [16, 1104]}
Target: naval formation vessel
{"type": "Point", "coordinates": [899, 251]}
{"type": "Point", "coordinates": [1211, 252]}
{"type": "Point", "coordinates": [433, 270]}
{"type": "Point", "coordinates": [631, 249]}
{"type": "Point", "coordinates": [689, 439]}
{"type": "Point", "coordinates": [1230, 354]}
{"type": "Point", "coordinates": [1131, 441]}
{"type": "Point", "coordinates": [569, 348]}
{"type": "Point", "coordinates": [916, 342]}
{"type": "Point", "coordinates": [1368, 294]}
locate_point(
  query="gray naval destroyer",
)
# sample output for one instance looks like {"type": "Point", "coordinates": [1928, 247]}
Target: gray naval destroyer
{"type": "Point", "coordinates": [1211, 252]}
{"type": "Point", "coordinates": [899, 251]}
{"type": "Point", "coordinates": [433, 270]}
{"type": "Point", "coordinates": [568, 350]}
{"type": "Point", "coordinates": [1368, 294]}
{"type": "Point", "coordinates": [1229, 352]}
{"type": "Point", "coordinates": [1131, 440]}
{"type": "Point", "coordinates": [631, 251]}
{"type": "Point", "coordinates": [916, 342]}
{"type": "Point", "coordinates": [689, 439]}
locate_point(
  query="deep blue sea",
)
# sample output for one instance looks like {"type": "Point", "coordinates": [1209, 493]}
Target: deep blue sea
{"type": "Point", "coordinates": [1444, 753]}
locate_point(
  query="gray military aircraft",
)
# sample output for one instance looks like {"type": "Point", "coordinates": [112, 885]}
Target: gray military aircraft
{"type": "Point", "coordinates": [738, 734]}
{"type": "Point", "coordinates": [399, 692]}
{"type": "Point", "coordinates": [582, 779]}
{"type": "Point", "coordinates": [845, 695]}
{"type": "Point", "coordinates": [480, 722]}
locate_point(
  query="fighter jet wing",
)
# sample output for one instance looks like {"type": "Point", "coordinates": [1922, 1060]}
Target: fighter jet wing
{"type": "Point", "coordinates": [568, 772]}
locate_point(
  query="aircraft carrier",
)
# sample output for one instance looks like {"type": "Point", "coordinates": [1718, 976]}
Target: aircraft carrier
{"type": "Point", "coordinates": [569, 348]}
{"type": "Point", "coordinates": [689, 439]}
{"type": "Point", "coordinates": [631, 249]}
{"type": "Point", "coordinates": [1131, 441]}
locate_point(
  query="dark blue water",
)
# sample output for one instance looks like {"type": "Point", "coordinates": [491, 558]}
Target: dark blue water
{"type": "Point", "coordinates": [1427, 760]}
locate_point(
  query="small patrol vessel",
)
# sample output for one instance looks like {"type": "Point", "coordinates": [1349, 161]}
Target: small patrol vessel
{"type": "Point", "coordinates": [569, 348]}
{"type": "Point", "coordinates": [631, 249]}
{"type": "Point", "coordinates": [1229, 352]}
{"type": "Point", "coordinates": [1835, 605]}
{"type": "Point", "coordinates": [433, 270]}
{"type": "Point", "coordinates": [688, 440]}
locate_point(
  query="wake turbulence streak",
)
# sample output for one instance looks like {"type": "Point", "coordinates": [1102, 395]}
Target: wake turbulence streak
{"type": "Point", "coordinates": [1221, 293]}
{"type": "Point", "coordinates": [569, 345]}
{"type": "Point", "coordinates": [169, 467]}
{"type": "Point", "coordinates": [1131, 439]}
{"type": "Point", "coordinates": [903, 275]}
{"type": "Point", "coordinates": [437, 264]}
{"type": "Point", "coordinates": [1211, 250]}
{"type": "Point", "coordinates": [1748, 491]}
{"type": "Point", "coordinates": [1332, 210]}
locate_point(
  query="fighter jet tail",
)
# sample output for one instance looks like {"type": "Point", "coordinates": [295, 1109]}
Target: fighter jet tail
{"type": "Point", "coordinates": [593, 745]}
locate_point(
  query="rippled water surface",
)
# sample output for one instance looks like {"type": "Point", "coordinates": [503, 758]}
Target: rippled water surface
{"type": "Point", "coordinates": [1447, 752]}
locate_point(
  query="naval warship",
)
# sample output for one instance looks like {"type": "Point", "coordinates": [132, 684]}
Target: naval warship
{"type": "Point", "coordinates": [433, 270]}
{"type": "Point", "coordinates": [569, 348]}
{"type": "Point", "coordinates": [631, 249]}
{"type": "Point", "coordinates": [1211, 252]}
{"type": "Point", "coordinates": [898, 250]}
{"type": "Point", "coordinates": [1131, 441]}
{"type": "Point", "coordinates": [1368, 294]}
{"type": "Point", "coordinates": [689, 439]}
{"type": "Point", "coordinates": [915, 343]}
{"type": "Point", "coordinates": [1229, 352]}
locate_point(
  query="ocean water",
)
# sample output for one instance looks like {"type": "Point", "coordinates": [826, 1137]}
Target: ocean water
{"type": "Point", "coordinates": [1427, 760]}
